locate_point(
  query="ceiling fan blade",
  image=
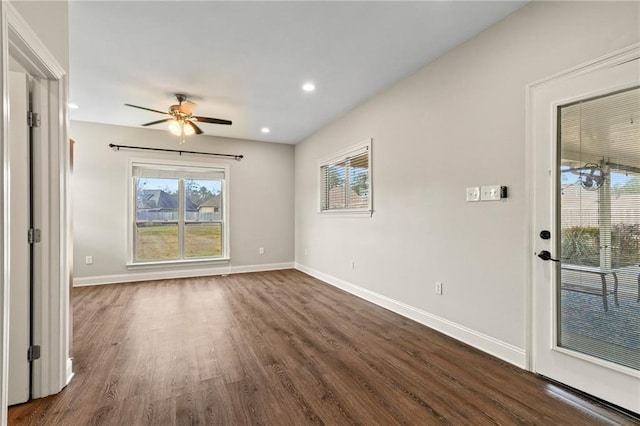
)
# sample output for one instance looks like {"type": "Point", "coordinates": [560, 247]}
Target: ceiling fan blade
{"type": "Point", "coordinates": [212, 120]}
{"type": "Point", "coordinates": [158, 121]}
{"type": "Point", "coordinates": [148, 109]}
{"type": "Point", "coordinates": [197, 129]}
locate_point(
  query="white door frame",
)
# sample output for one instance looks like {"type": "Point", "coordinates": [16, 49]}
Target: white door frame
{"type": "Point", "coordinates": [532, 240]}
{"type": "Point", "coordinates": [51, 286]}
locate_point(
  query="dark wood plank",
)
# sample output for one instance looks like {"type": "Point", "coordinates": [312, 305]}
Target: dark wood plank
{"type": "Point", "coordinates": [280, 348]}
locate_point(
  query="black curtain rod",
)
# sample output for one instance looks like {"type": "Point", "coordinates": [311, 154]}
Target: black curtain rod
{"type": "Point", "coordinates": [142, 148]}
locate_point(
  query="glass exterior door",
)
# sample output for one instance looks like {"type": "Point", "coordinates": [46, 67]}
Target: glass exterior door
{"type": "Point", "coordinates": [584, 129]}
{"type": "Point", "coordinates": [599, 221]}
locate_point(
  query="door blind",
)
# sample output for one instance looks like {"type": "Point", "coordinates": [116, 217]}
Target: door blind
{"type": "Point", "coordinates": [599, 198]}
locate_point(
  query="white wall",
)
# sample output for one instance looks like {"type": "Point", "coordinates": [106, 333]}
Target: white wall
{"type": "Point", "coordinates": [458, 122]}
{"type": "Point", "coordinates": [261, 200]}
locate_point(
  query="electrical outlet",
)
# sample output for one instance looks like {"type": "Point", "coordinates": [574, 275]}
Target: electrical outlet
{"type": "Point", "coordinates": [473, 193]}
{"type": "Point", "coordinates": [306, 251]}
{"type": "Point", "coordinates": [438, 287]}
{"type": "Point", "coordinates": [88, 260]}
{"type": "Point", "coordinates": [353, 264]}
{"type": "Point", "coordinates": [261, 250]}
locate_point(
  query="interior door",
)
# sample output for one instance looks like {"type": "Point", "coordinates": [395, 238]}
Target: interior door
{"type": "Point", "coordinates": [586, 311]}
{"type": "Point", "coordinates": [20, 249]}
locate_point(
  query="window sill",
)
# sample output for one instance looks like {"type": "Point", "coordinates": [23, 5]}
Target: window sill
{"type": "Point", "coordinates": [346, 213]}
{"type": "Point", "coordinates": [173, 263]}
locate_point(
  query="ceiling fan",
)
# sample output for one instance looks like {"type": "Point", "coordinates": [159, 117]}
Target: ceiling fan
{"type": "Point", "coordinates": [181, 120]}
{"type": "Point", "coordinates": [590, 176]}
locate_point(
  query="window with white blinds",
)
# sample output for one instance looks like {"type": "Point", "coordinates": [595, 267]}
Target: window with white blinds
{"type": "Point", "coordinates": [345, 180]}
{"type": "Point", "coordinates": [599, 221]}
{"type": "Point", "coordinates": [178, 213]}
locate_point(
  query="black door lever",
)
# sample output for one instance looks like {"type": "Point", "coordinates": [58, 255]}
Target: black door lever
{"type": "Point", "coordinates": [545, 255]}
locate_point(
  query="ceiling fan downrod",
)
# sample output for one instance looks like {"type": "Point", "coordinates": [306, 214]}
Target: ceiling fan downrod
{"type": "Point", "coordinates": [181, 97]}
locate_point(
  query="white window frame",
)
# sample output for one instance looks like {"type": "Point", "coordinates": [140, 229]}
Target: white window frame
{"type": "Point", "coordinates": [345, 154]}
{"type": "Point", "coordinates": [131, 212]}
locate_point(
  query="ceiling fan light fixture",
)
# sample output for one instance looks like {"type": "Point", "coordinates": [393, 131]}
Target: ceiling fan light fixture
{"type": "Point", "coordinates": [181, 128]}
{"type": "Point", "coordinates": [188, 130]}
{"type": "Point", "coordinates": [175, 128]}
{"type": "Point", "coordinates": [181, 122]}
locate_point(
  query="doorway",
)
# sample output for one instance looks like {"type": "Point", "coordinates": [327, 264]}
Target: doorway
{"type": "Point", "coordinates": [585, 144]}
{"type": "Point", "coordinates": [50, 311]}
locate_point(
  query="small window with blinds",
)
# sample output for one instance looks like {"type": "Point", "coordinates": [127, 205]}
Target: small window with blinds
{"type": "Point", "coordinates": [178, 213]}
{"type": "Point", "coordinates": [345, 181]}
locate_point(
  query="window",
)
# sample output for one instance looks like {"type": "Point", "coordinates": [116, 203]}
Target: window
{"type": "Point", "coordinates": [179, 213]}
{"type": "Point", "coordinates": [345, 180]}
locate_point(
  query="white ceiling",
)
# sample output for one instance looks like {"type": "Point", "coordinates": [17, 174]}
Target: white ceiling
{"type": "Point", "coordinates": [247, 61]}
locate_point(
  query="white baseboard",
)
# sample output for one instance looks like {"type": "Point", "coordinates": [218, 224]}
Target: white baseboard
{"type": "Point", "coordinates": [149, 275]}
{"type": "Point", "coordinates": [70, 372]}
{"type": "Point", "coordinates": [488, 344]}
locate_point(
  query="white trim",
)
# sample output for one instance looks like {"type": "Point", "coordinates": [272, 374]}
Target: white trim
{"type": "Point", "coordinates": [485, 343]}
{"type": "Point", "coordinates": [346, 213]}
{"type": "Point", "coordinates": [70, 372]}
{"type": "Point", "coordinates": [609, 60]}
{"type": "Point", "coordinates": [31, 52]}
{"type": "Point", "coordinates": [163, 275]}
{"type": "Point", "coordinates": [350, 151]}
{"type": "Point", "coordinates": [131, 215]}
{"type": "Point", "coordinates": [363, 147]}
{"type": "Point", "coordinates": [177, 263]}
{"type": "Point", "coordinates": [4, 214]}
{"type": "Point", "coordinates": [595, 360]}
{"type": "Point", "coordinates": [51, 286]}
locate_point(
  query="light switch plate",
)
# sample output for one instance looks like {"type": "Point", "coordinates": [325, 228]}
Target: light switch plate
{"type": "Point", "coordinates": [490, 192]}
{"type": "Point", "coordinates": [473, 193]}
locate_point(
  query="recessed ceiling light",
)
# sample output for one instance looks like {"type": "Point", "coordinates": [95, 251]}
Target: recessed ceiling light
{"type": "Point", "coordinates": [73, 106]}
{"type": "Point", "coordinates": [308, 87]}
{"type": "Point", "coordinates": [265, 130]}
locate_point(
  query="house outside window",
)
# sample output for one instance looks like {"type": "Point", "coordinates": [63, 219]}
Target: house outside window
{"type": "Point", "coordinates": [345, 181]}
{"type": "Point", "coordinates": [178, 212]}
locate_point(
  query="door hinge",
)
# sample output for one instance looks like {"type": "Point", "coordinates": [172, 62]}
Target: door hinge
{"type": "Point", "coordinates": [33, 119]}
{"type": "Point", "coordinates": [33, 353]}
{"type": "Point", "coordinates": [33, 236]}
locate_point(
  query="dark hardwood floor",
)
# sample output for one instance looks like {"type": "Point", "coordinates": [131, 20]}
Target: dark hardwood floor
{"type": "Point", "coordinates": [282, 348]}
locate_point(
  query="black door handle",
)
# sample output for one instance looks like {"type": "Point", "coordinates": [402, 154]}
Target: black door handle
{"type": "Point", "coordinates": [545, 255]}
